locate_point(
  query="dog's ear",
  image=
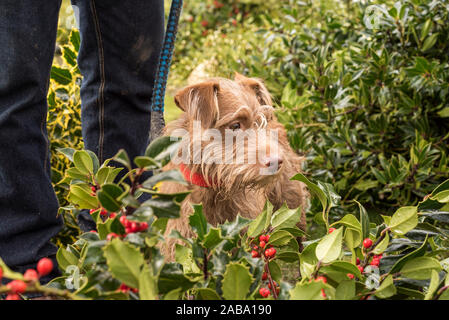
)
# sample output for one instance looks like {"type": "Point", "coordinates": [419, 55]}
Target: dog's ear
{"type": "Point", "coordinates": [257, 86]}
{"type": "Point", "coordinates": [200, 101]}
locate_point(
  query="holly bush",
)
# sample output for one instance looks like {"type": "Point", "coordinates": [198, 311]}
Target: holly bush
{"type": "Point", "coordinates": [363, 97]}
{"type": "Point", "coordinates": [362, 88]}
{"type": "Point", "coordinates": [241, 259]}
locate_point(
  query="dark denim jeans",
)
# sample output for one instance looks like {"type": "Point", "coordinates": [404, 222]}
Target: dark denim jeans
{"type": "Point", "coordinates": [120, 46]}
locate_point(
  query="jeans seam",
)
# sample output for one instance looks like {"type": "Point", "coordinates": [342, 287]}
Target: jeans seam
{"type": "Point", "coordinates": [100, 99]}
{"type": "Point", "coordinates": [46, 141]}
{"type": "Point", "coordinates": [43, 122]}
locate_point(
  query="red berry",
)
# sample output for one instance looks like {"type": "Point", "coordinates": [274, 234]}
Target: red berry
{"type": "Point", "coordinates": [93, 231]}
{"type": "Point", "coordinates": [17, 286]}
{"type": "Point", "coordinates": [234, 22]}
{"type": "Point", "coordinates": [218, 4]}
{"type": "Point", "coordinates": [94, 189]}
{"type": "Point", "coordinates": [357, 261]}
{"type": "Point", "coordinates": [204, 23]}
{"type": "Point", "coordinates": [111, 236]}
{"type": "Point", "coordinates": [375, 262]}
{"type": "Point", "coordinates": [12, 296]}
{"type": "Point", "coordinates": [112, 215]}
{"type": "Point", "coordinates": [255, 254]}
{"type": "Point", "coordinates": [134, 227]}
{"type": "Point", "coordinates": [44, 266]}
{"type": "Point", "coordinates": [267, 238]}
{"type": "Point", "coordinates": [275, 285]}
{"type": "Point", "coordinates": [262, 244]}
{"type": "Point", "coordinates": [261, 238]}
{"type": "Point", "coordinates": [1, 274]}
{"type": "Point", "coordinates": [350, 276]}
{"type": "Point", "coordinates": [270, 252]}
{"type": "Point", "coordinates": [91, 211]}
{"type": "Point", "coordinates": [332, 230]}
{"type": "Point", "coordinates": [264, 292]}
{"type": "Point", "coordinates": [360, 268]}
{"type": "Point", "coordinates": [321, 278]}
{"type": "Point", "coordinates": [30, 275]}
{"type": "Point", "coordinates": [255, 247]}
{"type": "Point", "coordinates": [103, 212]}
{"type": "Point", "coordinates": [143, 226]}
{"type": "Point", "coordinates": [323, 294]}
{"type": "Point", "coordinates": [122, 220]}
{"type": "Point", "coordinates": [124, 288]}
{"type": "Point", "coordinates": [367, 243]}
{"type": "Point", "coordinates": [264, 276]}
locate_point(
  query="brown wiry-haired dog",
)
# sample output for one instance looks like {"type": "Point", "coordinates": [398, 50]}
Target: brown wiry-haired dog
{"type": "Point", "coordinates": [228, 188]}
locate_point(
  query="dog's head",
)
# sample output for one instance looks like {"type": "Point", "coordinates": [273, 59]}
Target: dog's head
{"type": "Point", "coordinates": [230, 133]}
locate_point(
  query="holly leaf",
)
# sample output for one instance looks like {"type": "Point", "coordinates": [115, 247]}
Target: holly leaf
{"type": "Point", "coordinates": [236, 282]}
{"type": "Point", "coordinates": [404, 220]}
{"type": "Point", "coordinates": [329, 248]}
{"type": "Point", "coordinates": [420, 268]}
{"type": "Point", "coordinates": [198, 221]}
{"type": "Point", "coordinates": [124, 261]}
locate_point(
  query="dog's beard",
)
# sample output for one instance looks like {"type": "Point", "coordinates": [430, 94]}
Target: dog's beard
{"type": "Point", "coordinates": [230, 167]}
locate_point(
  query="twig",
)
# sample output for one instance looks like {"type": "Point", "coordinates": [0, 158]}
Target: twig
{"type": "Point", "coordinates": [440, 292]}
{"type": "Point", "coordinates": [36, 288]}
{"type": "Point", "coordinates": [270, 279]}
{"type": "Point", "coordinates": [370, 253]}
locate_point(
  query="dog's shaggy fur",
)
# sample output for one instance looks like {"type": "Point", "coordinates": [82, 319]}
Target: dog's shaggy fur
{"type": "Point", "coordinates": [233, 188]}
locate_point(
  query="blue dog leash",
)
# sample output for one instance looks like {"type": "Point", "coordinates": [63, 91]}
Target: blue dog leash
{"type": "Point", "coordinates": [160, 81]}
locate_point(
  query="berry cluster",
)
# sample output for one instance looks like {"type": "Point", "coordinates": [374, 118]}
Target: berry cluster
{"type": "Point", "coordinates": [375, 261]}
{"type": "Point", "coordinates": [133, 226]}
{"type": "Point", "coordinates": [104, 213]}
{"type": "Point", "coordinates": [16, 287]}
{"type": "Point", "coordinates": [258, 249]}
{"type": "Point", "coordinates": [130, 227]}
{"type": "Point", "coordinates": [367, 244]}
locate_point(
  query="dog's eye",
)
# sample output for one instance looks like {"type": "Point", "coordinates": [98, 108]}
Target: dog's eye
{"type": "Point", "coordinates": [235, 126]}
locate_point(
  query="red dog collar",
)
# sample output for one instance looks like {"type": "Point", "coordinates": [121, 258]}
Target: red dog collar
{"type": "Point", "coordinates": [195, 178]}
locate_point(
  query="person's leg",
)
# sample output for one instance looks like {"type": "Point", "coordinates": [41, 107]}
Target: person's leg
{"type": "Point", "coordinates": [120, 47]}
{"type": "Point", "coordinates": [28, 205]}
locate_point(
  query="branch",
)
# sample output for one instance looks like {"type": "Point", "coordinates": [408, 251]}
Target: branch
{"type": "Point", "coordinates": [270, 279]}
{"type": "Point", "coordinates": [370, 253]}
{"type": "Point", "coordinates": [46, 291]}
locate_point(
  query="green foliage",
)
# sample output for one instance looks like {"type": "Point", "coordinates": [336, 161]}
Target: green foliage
{"type": "Point", "coordinates": [407, 260]}
{"type": "Point", "coordinates": [365, 103]}
{"type": "Point", "coordinates": [367, 106]}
